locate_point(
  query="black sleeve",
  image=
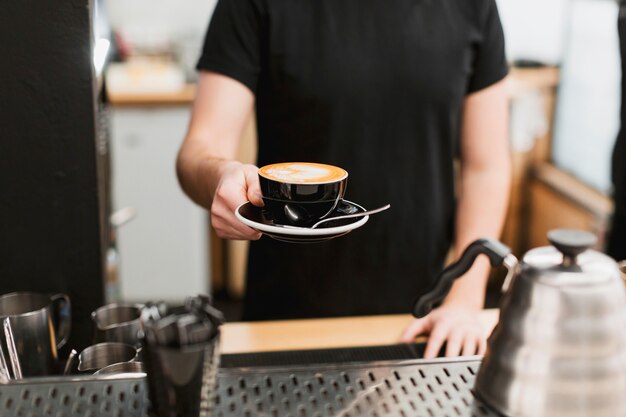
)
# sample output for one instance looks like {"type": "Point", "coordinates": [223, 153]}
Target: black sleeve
{"type": "Point", "coordinates": [489, 64]}
{"type": "Point", "coordinates": [232, 43]}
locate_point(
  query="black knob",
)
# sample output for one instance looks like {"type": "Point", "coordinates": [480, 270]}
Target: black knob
{"type": "Point", "coordinates": [571, 242]}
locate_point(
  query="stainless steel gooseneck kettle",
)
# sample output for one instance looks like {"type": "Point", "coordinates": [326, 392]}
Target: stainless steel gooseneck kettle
{"type": "Point", "coordinates": [559, 348]}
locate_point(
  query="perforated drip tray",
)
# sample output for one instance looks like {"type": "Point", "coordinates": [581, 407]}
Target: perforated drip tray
{"type": "Point", "coordinates": [73, 397]}
{"type": "Point", "coordinates": [419, 388]}
{"type": "Point", "coordinates": [440, 388]}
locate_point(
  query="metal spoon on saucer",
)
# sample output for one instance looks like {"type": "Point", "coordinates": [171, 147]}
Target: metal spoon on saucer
{"type": "Point", "coordinates": [347, 216]}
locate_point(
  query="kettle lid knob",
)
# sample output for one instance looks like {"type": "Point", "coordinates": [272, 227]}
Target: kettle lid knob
{"type": "Point", "coordinates": [571, 242]}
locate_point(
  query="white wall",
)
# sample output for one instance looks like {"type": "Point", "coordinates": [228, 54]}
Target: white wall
{"type": "Point", "coordinates": [581, 35]}
{"type": "Point", "coordinates": [176, 26]}
{"type": "Point", "coordinates": [164, 250]}
{"type": "Point", "coordinates": [534, 29]}
{"type": "Point", "coordinates": [587, 113]}
{"type": "Point", "coordinates": [160, 18]}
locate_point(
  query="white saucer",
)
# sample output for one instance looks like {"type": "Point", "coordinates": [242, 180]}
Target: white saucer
{"type": "Point", "coordinates": [253, 216]}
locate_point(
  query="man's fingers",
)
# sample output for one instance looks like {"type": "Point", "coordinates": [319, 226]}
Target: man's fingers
{"type": "Point", "coordinates": [470, 345]}
{"type": "Point", "coordinates": [455, 328]}
{"type": "Point", "coordinates": [416, 327]}
{"type": "Point", "coordinates": [482, 345]}
{"type": "Point", "coordinates": [227, 230]}
{"type": "Point", "coordinates": [253, 189]}
{"type": "Point", "coordinates": [229, 196]}
{"type": "Point", "coordinates": [255, 198]}
{"type": "Point", "coordinates": [238, 186]}
{"type": "Point", "coordinates": [454, 343]}
{"type": "Point", "coordinates": [228, 226]}
{"type": "Point", "coordinates": [237, 234]}
{"type": "Point", "coordinates": [435, 342]}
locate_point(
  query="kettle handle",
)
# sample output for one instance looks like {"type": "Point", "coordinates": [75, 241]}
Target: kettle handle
{"type": "Point", "coordinates": [495, 251]}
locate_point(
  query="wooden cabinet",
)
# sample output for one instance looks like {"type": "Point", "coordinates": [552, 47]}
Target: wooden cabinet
{"type": "Point", "coordinates": [558, 200]}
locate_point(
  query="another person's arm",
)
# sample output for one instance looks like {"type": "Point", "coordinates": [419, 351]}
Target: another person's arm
{"type": "Point", "coordinates": [206, 165]}
{"type": "Point", "coordinates": [482, 203]}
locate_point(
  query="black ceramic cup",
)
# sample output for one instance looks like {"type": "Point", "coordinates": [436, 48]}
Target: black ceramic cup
{"type": "Point", "coordinates": [301, 193]}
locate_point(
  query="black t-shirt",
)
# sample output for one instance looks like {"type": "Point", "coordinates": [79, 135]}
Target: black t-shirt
{"type": "Point", "coordinates": [376, 87]}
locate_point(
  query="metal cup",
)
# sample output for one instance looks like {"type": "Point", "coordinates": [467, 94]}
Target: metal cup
{"type": "Point", "coordinates": [118, 323]}
{"type": "Point", "coordinates": [122, 368]}
{"type": "Point", "coordinates": [96, 357]}
{"type": "Point", "coordinates": [40, 325]}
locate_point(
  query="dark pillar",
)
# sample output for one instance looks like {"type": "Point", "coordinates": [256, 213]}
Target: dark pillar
{"type": "Point", "coordinates": [51, 195]}
{"type": "Point", "coordinates": [617, 236]}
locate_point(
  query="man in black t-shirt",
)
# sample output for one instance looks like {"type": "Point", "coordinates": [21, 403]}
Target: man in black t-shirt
{"type": "Point", "coordinates": [617, 237]}
{"type": "Point", "coordinates": [392, 91]}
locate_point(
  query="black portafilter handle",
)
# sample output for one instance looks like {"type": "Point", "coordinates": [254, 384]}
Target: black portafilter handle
{"type": "Point", "coordinates": [495, 251]}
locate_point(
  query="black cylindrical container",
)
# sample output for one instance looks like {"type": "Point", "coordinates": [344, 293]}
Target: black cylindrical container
{"type": "Point", "coordinates": [181, 381]}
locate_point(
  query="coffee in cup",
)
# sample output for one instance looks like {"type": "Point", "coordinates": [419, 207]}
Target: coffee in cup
{"type": "Point", "coordinates": [301, 193]}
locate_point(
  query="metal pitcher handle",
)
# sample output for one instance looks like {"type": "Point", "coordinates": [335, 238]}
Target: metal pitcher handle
{"type": "Point", "coordinates": [61, 317]}
{"type": "Point", "coordinates": [493, 249]}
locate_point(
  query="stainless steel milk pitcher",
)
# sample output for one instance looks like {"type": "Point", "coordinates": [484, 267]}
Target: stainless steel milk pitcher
{"type": "Point", "coordinates": [40, 325]}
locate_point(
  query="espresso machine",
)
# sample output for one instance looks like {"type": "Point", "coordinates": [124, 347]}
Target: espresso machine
{"type": "Point", "coordinates": [54, 176]}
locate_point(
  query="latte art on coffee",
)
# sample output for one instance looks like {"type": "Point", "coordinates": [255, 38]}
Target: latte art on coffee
{"type": "Point", "coordinates": [303, 172]}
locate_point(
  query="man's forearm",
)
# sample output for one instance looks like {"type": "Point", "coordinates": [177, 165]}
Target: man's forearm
{"type": "Point", "coordinates": [199, 173]}
{"type": "Point", "coordinates": [481, 211]}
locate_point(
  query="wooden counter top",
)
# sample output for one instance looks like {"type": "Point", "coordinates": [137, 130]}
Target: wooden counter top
{"type": "Point", "coordinates": [322, 333]}
{"type": "Point", "coordinates": [184, 97]}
